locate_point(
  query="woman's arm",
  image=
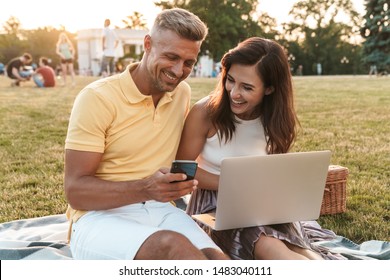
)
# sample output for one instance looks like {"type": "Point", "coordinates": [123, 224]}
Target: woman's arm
{"type": "Point", "coordinates": [71, 49]}
{"type": "Point", "coordinates": [58, 50]}
{"type": "Point", "coordinates": [197, 129]}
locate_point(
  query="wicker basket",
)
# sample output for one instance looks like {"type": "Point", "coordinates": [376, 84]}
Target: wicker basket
{"type": "Point", "coordinates": [334, 199]}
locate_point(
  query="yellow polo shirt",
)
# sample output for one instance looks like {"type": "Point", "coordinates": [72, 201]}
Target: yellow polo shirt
{"type": "Point", "coordinates": [111, 116]}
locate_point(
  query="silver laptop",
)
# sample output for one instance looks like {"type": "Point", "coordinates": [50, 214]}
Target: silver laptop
{"type": "Point", "coordinates": [271, 189]}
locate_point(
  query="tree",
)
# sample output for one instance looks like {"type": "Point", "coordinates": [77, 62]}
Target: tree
{"type": "Point", "coordinates": [11, 44]}
{"type": "Point", "coordinates": [50, 36]}
{"type": "Point", "coordinates": [268, 26]}
{"type": "Point", "coordinates": [324, 38]}
{"type": "Point", "coordinates": [229, 22]}
{"type": "Point", "coordinates": [12, 25]}
{"type": "Point", "coordinates": [135, 21]}
{"type": "Point", "coordinates": [376, 32]}
{"type": "Point", "coordinates": [38, 42]}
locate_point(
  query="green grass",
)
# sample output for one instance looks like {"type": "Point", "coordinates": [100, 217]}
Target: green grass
{"type": "Point", "coordinates": [348, 115]}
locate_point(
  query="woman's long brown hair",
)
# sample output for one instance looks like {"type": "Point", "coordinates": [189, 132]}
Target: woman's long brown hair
{"type": "Point", "coordinates": [277, 112]}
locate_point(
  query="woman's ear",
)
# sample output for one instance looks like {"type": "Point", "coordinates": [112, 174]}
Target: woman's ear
{"type": "Point", "coordinates": [269, 90]}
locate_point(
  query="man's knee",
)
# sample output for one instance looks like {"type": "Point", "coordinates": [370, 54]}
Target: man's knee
{"type": "Point", "coordinates": [214, 254]}
{"type": "Point", "coordinates": [173, 241]}
{"type": "Point", "coordinates": [167, 244]}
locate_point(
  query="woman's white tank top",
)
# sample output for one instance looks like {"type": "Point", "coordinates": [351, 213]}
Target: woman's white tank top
{"type": "Point", "coordinates": [248, 139]}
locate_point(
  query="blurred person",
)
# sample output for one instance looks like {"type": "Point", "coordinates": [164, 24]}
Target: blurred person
{"type": "Point", "coordinates": [109, 43]}
{"type": "Point", "coordinates": [66, 51]}
{"type": "Point", "coordinates": [16, 69]}
{"type": "Point", "coordinates": [123, 134]}
{"type": "Point", "coordinates": [373, 70]}
{"type": "Point", "coordinates": [299, 71]}
{"type": "Point", "coordinates": [44, 75]}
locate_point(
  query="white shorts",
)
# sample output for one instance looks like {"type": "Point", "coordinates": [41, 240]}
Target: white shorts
{"type": "Point", "coordinates": [119, 233]}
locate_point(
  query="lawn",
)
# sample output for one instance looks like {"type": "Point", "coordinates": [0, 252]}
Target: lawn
{"type": "Point", "coordinates": [349, 115]}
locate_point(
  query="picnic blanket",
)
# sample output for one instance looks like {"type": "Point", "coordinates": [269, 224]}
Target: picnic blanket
{"type": "Point", "coordinates": [41, 238]}
{"type": "Point", "coordinates": [44, 238]}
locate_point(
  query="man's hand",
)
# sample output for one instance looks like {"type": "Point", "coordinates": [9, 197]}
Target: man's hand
{"type": "Point", "coordinates": [164, 186]}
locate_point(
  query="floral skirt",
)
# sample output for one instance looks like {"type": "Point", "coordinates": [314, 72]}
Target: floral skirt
{"type": "Point", "coordinates": [239, 243]}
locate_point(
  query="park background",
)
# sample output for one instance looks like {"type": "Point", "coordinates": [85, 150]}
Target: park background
{"type": "Point", "coordinates": [343, 36]}
{"type": "Point", "coordinates": [343, 109]}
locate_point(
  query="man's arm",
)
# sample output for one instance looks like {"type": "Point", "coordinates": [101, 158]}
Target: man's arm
{"type": "Point", "coordinates": [116, 40]}
{"type": "Point", "coordinates": [104, 34]}
{"type": "Point", "coordinates": [85, 191]}
{"type": "Point", "coordinates": [15, 73]}
{"type": "Point", "coordinates": [103, 42]}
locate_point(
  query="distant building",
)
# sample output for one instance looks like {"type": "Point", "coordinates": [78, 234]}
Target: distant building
{"type": "Point", "coordinates": [204, 67]}
{"type": "Point", "coordinates": [90, 51]}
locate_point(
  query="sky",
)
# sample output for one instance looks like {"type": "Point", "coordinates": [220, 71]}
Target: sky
{"type": "Point", "coordinates": [84, 14]}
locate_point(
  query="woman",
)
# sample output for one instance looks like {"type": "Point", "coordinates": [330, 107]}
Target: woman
{"type": "Point", "coordinates": [66, 51]}
{"type": "Point", "coordinates": [251, 112]}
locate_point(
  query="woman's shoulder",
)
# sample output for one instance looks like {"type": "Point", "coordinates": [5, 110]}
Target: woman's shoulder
{"type": "Point", "coordinates": [200, 107]}
{"type": "Point", "coordinates": [199, 113]}
{"type": "Point", "coordinates": [201, 104]}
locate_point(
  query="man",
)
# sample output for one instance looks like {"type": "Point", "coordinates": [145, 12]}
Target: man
{"type": "Point", "coordinates": [110, 42]}
{"type": "Point", "coordinates": [44, 76]}
{"type": "Point", "coordinates": [123, 133]}
{"type": "Point", "coordinates": [16, 69]}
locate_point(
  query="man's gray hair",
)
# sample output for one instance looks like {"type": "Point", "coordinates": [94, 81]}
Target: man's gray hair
{"type": "Point", "coordinates": [184, 23]}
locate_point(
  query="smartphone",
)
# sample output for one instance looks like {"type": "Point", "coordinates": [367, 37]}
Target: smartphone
{"type": "Point", "coordinates": [187, 167]}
